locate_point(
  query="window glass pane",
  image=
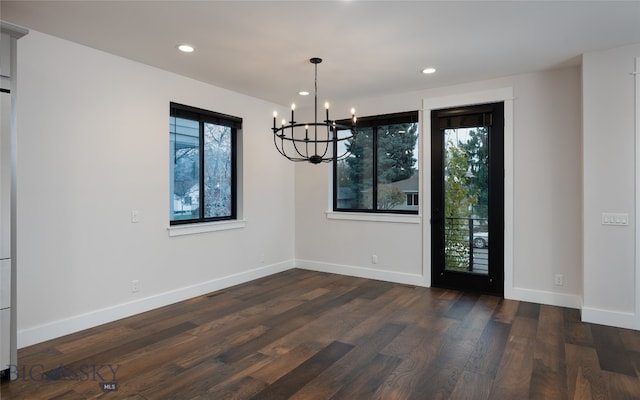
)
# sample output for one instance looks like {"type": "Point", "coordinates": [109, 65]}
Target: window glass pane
{"type": "Point", "coordinates": [202, 165]}
{"type": "Point", "coordinates": [218, 173]}
{"type": "Point", "coordinates": [381, 173]}
{"type": "Point", "coordinates": [185, 170]}
{"type": "Point", "coordinates": [355, 173]}
{"type": "Point", "coordinates": [397, 187]}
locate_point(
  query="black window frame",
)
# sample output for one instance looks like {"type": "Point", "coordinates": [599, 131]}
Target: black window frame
{"type": "Point", "coordinates": [203, 116]}
{"type": "Point", "coordinates": [374, 122]}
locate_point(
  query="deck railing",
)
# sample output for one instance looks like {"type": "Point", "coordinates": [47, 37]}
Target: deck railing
{"type": "Point", "coordinates": [460, 252]}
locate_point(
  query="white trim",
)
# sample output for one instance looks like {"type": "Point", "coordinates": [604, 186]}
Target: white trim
{"type": "Point", "coordinates": [637, 193]}
{"type": "Point", "coordinates": [543, 297]}
{"type": "Point", "coordinates": [190, 229]}
{"type": "Point", "coordinates": [425, 187]}
{"type": "Point", "coordinates": [509, 193]}
{"type": "Point", "coordinates": [352, 216]}
{"type": "Point", "coordinates": [610, 318]}
{"type": "Point", "coordinates": [360, 272]}
{"type": "Point", "coordinates": [490, 96]}
{"type": "Point", "coordinates": [14, 31]}
{"type": "Point", "coordinates": [55, 329]}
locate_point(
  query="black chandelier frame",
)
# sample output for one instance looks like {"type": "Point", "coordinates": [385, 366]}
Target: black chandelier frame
{"type": "Point", "coordinates": [311, 143]}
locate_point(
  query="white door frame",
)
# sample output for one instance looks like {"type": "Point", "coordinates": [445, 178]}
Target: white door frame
{"type": "Point", "coordinates": [467, 99]}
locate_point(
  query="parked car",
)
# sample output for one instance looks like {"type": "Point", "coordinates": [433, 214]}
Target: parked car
{"type": "Point", "coordinates": [480, 240]}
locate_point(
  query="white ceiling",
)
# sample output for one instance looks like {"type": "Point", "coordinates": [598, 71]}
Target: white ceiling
{"type": "Point", "coordinates": [262, 48]}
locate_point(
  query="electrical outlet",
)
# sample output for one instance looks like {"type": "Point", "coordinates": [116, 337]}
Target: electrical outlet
{"type": "Point", "coordinates": [559, 280]}
{"type": "Point", "coordinates": [135, 216]}
{"type": "Point", "coordinates": [374, 259]}
{"type": "Point", "coordinates": [135, 286]}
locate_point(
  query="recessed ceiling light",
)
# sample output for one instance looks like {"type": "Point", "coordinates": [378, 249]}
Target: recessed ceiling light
{"type": "Point", "coordinates": [303, 93]}
{"type": "Point", "coordinates": [429, 70]}
{"type": "Point", "coordinates": [185, 48]}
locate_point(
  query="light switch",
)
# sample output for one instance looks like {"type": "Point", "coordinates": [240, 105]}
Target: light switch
{"type": "Point", "coordinates": [620, 219]}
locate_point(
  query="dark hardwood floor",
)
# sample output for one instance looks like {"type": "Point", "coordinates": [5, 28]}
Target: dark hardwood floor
{"type": "Point", "coordinates": [308, 335]}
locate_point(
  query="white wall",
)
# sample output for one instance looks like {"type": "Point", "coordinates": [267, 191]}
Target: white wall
{"type": "Point", "coordinates": [93, 146]}
{"type": "Point", "coordinates": [547, 196]}
{"type": "Point", "coordinates": [609, 163]}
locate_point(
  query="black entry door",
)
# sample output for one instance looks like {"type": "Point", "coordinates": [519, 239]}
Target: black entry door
{"type": "Point", "coordinates": [467, 204]}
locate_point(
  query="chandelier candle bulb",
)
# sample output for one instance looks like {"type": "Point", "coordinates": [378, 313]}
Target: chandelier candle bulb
{"type": "Point", "coordinates": [326, 107]}
{"type": "Point", "coordinates": [275, 114]}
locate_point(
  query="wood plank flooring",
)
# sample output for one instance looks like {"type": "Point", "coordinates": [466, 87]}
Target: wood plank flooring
{"type": "Point", "coordinates": [309, 335]}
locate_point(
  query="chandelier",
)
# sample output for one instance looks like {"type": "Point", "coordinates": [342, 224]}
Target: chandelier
{"type": "Point", "coordinates": [311, 141]}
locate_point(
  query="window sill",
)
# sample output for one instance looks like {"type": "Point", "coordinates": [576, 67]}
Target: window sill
{"type": "Point", "coordinates": [397, 218]}
{"type": "Point", "coordinates": [190, 229]}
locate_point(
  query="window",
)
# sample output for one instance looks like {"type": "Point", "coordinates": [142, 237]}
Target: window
{"type": "Point", "coordinates": [381, 173]}
{"type": "Point", "coordinates": [203, 171]}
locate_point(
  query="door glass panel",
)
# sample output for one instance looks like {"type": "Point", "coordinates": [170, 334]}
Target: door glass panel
{"type": "Point", "coordinates": [466, 199]}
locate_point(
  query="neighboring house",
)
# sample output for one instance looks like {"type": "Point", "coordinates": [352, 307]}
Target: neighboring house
{"type": "Point", "coordinates": [410, 188]}
{"type": "Point", "coordinates": [185, 205]}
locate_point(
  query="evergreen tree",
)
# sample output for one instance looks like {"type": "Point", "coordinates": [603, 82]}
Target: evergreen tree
{"type": "Point", "coordinates": [395, 152]}
{"type": "Point", "coordinates": [395, 160]}
{"type": "Point", "coordinates": [477, 151]}
{"type": "Point", "coordinates": [460, 199]}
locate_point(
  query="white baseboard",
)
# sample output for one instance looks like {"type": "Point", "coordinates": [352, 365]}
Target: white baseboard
{"type": "Point", "coordinates": [76, 323]}
{"type": "Point", "coordinates": [360, 272]}
{"type": "Point", "coordinates": [610, 318]}
{"type": "Point", "coordinates": [543, 297]}
{"type": "Point", "coordinates": [55, 329]}
{"type": "Point", "coordinates": [520, 294]}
